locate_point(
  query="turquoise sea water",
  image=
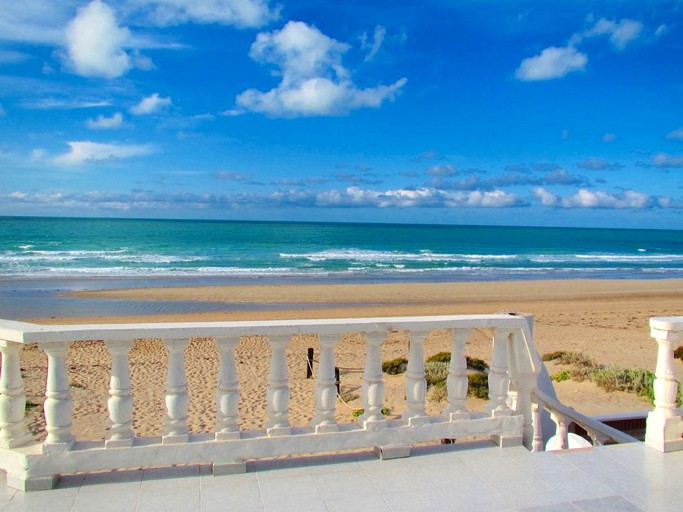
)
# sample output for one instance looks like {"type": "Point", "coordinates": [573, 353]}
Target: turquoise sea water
{"type": "Point", "coordinates": [41, 258]}
{"type": "Point", "coordinates": [79, 248]}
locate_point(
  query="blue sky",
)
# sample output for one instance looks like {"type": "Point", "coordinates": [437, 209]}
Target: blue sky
{"type": "Point", "coordinates": [565, 113]}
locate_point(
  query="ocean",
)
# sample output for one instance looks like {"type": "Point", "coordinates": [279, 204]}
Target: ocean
{"type": "Point", "coordinates": [42, 257]}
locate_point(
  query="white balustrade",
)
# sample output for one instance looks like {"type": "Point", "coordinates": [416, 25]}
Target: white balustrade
{"type": "Point", "coordinates": [37, 465]}
{"type": "Point", "coordinates": [278, 388]}
{"type": "Point", "coordinates": [416, 384]}
{"type": "Point", "coordinates": [227, 393]}
{"type": "Point", "coordinates": [12, 398]}
{"type": "Point", "coordinates": [120, 403]}
{"type": "Point", "coordinates": [499, 380]}
{"type": "Point", "coordinates": [326, 387]}
{"type": "Point", "coordinates": [373, 383]}
{"type": "Point", "coordinates": [457, 381]}
{"type": "Point", "coordinates": [176, 429]}
{"type": "Point", "coordinates": [665, 424]}
{"type": "Point", "coordinates": [58, 405]}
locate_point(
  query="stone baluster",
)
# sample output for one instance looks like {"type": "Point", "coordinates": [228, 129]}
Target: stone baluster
{"type": "Point", "coordinates": [12, 398]}
{"type": "Point", "coordinates": [58, 406]}
{"type": "Point", "coordinates": [278, 388]}
{"type": "Point", "coordinates": [175, 427]}
{"type": "Point", "coordinates": [457, 382]}
{"type": "Point", "coordinates": [561, 432]}
{"type": "Point", "coordinates": [537, 442]}
{"type": "Point", "coordinates": [120, 401]}
{"type": "Point", "coordinates": [499, 380]}
{"type": "Point", "coordinates": [373, 385]}
{"type": "Point", "coordinates": [325, 387]}
{"type": "Point", "coordinates": [597, 438]}
{"type": "Point", "coordinates": [416, 384]}
{"type": "Point", "coordinates": [227, 393]}
{"type": "Point", "coordinates": [664, 428]}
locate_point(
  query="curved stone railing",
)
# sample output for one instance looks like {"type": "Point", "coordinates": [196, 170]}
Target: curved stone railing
{"type": "Point", "coordinates": [664, 430]}
{"type": "Point", "coordinates": [34, 465]}
{"type": "Point", "coordinates": [563, 416]}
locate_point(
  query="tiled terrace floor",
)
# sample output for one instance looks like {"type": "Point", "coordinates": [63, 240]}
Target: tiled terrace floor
{"type": "Point", "coordinates": [474, 476]}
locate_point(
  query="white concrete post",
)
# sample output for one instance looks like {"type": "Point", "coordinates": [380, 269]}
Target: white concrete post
{"type": "Point", "coordinates": [499, 380]}
{"type": "Point", "coordinates": [12, 398]}
{"type": "Point", "coordinates": [373, 384]}
{"type": "Point", "coordinates": [58, 406]}
{"type": "Point", "coordinates": [416, 384]}
{"type": "Point", "coordinates": [664, 429]}
{"type": "Point", "coordinates": [562, 431]}
{"type": "Point", "coordinates": [175, 427]}
{"type": "Point", "coordinates": [325, 387]}
{"type": "Point", "coordinates": [456, 383]}
{"type": "Point", "coordinates": [278, 388]}
{"type": "Point", "coordinates": [227, 392]}
{"type": "Point", "coordinates": [120, 402]}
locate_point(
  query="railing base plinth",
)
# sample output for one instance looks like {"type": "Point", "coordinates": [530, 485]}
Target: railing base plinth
{"type": "Point", "coordinates": [507, 441]}
{"type": "Point", "coordinates": [175, 439]}
{"type": "Point", "coordinates": [228, 468]}
{"type": "Point", "coordinates": [15, 442]}
{"type": "Point", "coordinates": [393, 451]}
{"type": "Point", "coordinates": [278, 431]}
{"type": "Point", "coordinates": [326, 429]}
{"type": "Point", "coordinates": [374, 424]}
{"type": "Point", "coordinates": [417, 421]}
{"type": "Point", "coordinates": [58, 447]}
{"type": "Point", "coordinates": [227, 436]}
{"type": "Point", "coordinates": [118, 443]}
{"type": "Point", "coordinates": [501, 413]}
{"type": "Point", "coordinates": [664, 434]}
{"type": "Point", "coordinates": [44, 483]}
{"type": "Point", "coordinates": [459, 416]}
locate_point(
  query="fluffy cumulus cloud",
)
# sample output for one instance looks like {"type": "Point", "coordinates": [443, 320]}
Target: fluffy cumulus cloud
{"type": "Point", "coordinates": [95, 42]}
{"type": "Point", "coordinates": [585, 198]}
{"type": "Point", "coordinates": [314, 81]}
{"type": "Point", "coordinates": [553, 62]}
{"type": "Point", "coordinates": [664, 161]}
{"type": "Point", "coordinates": [105, 123]}
{"type": "Point", "coordinates": [151, 104]}
{"type": "Point", "coordinates": [240, 13]}
{"type": "Point", "coordinates": [81, 152]}
{"type": "Point", "coordinates": [675, 135]}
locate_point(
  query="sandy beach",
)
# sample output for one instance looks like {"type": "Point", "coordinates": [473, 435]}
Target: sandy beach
{"type": "Point", "coordinates": [607, 320]}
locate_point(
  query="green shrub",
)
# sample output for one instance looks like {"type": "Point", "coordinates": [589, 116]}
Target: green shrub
{"type": "Point", "coordinates": [395, 366]}
{"type": "Point", "coordinates": [436, 372]}
{"type": "Point", "coordinates": [441, 357]}
{"type": "Point", "coordinates": [439, 392]}
{"type": "Point", "coordinates": [477, 364]}
{"type": "Point", "coordinates": [359, 412]}
{"type": "Point", "coordinates": [551, 356]}
{"type": "Point", "coordinates": [478, 385]}
{"type": "Point", "coordinates": [561, 375]}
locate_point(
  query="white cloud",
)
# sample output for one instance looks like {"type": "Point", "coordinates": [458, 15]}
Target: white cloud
{"type": "Point", "coordinates": [445, 170]}
{"type": "Point", "coordinates": [241, 13]}
{"type": "Point", "coordinates": [599, 164]}
{"type": "Point", "coordinates": [609, 137]}
{"type": "Point", "coordinates": [676, 134]}
{"type": "Point", "coordinates": [85, 151]}
{"type": "Point", "coordinates": [665, 161]}
{"type": "Point", "coordinates": [34, 21]}
{"type": "Point", "coordinates": [313, 80]}
{"type": "Point", "coordinates": [552, 62]}
{"type": "Point", "coordinates": [620, 33]}
{"type": "Point", "coordinates": [374, 46]}
{"type": "Point", "coordinates": [95, 42]}
{"type": "Point", "coordinates": [585, 198]}
{"type": "Point", "coordinates": [105, 123]}
{"type": "Point", "coordinates": [150, 105]}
